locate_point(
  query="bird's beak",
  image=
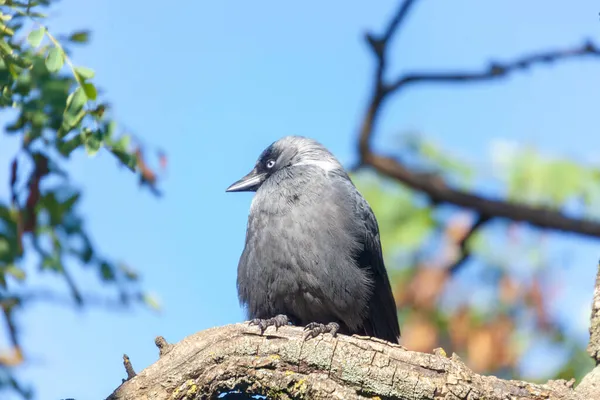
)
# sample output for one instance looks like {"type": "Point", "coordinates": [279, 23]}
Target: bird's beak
{"type": "Point", "coordinates": [249, 183]}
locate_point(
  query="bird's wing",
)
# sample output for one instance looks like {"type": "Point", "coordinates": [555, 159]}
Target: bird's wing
{"type": "Point", "coordinates": [382, 320]}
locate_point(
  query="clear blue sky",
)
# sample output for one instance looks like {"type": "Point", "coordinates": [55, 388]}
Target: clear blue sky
{"type": "Point", "coordinates": [214, 82]}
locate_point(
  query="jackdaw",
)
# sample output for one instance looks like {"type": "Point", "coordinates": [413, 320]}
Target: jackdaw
{"type": "Point", "coordinates": [312, 255]}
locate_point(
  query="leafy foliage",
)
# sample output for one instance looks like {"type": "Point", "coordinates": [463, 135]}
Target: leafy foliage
{"type": "Point", "coordinates": [54, 110]}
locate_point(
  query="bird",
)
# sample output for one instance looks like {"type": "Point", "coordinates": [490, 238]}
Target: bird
{"type": "Point", "coordinates": [312, 255]}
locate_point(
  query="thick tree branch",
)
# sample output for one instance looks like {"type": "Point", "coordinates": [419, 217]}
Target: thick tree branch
{"type": "Point", "coordinates": [433, 186]}
{"type": "Point", "coordinates": [594, 344]}
{"type": "Point", "coordinates": [589, 388]}
{"type": "Point", "coordinates": [283, 366]}
{"type": "Point", "coordinates": [441, 193]}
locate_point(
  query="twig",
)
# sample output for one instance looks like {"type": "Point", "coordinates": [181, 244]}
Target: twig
{"type": "Point", "coordinates": [163, 346]}
{"type": "Point", "coordinates": [465, 254]}
{"type": "Point", "coordinates": [497, 70]}
{"type": "Point", "coordinates": [128, 368]}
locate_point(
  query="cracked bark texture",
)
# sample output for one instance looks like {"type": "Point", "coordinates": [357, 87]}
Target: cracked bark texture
{"type": "Point", "coordinates": [589, 388]}
{"type": "Point", "coordinates": [594, 344]}
{"type": "Point", "coordinates": [281, 365]}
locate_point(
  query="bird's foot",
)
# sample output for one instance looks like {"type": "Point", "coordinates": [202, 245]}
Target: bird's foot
{"type": "Point", "coordinates": [277, 321]}
{"type": "Point", "coordinates": [314, 329]}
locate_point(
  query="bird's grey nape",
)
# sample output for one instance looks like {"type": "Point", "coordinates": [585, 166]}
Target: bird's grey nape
{"type": "Point", "coordinates": [310, 152]}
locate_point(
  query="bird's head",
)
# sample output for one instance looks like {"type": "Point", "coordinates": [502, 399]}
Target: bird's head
{"type": "Point", "coordinates": [287, 152]}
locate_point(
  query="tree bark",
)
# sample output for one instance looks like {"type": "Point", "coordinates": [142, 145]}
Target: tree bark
{"type": "Point", "coordinates": [281, 365]}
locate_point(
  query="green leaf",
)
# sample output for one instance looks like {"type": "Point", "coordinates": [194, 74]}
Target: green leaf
{"type": "Point", "coordinates": [12, 59]}
{"type": "Point", "coordinates": [92, 145]}
{"type": "Point", "coordinates": [4, 248]}
{"type": "Point", "coordinates": [80, 37]}
{"type": "Point", "coordinates": [39, 118]}
{"type": "Point", "coordinates": [52, 262]}
{"type": "Point", "coordinates": [129, 273]}
{"type": "Point", "coordinates": [35, 37]}
{"type": "Point", "coordinates": [6, 30]}
{"type": "Point", "coordinates": [106, 271]}
{"type": "Point", "coordinates": [111, 128]}
{"type": "Point", "coordinates": [70, 201]}
{"type": "Point", "coordinates": [76, 101]}
{"type": "Point", "coordinates": [16, 272]}
{"type": "Point", "coordinates": [123, 143]}
{"type": "Point", "coordinates": [151, 301]}
{"type": "Point", "coordinates": [5, 47]}
{"type": "Point", "coordinates": [88, 252]}
{"type": "Point", "coordinates": [55, 59]}
{"type": "Point", "coordinates": [90, 91]}
{"type": "Point", "coordinates": [6, 93]}
{"type": "Point", "coordinates": [412, 232]}
{"type": "Point", "coordinates": [85, 73]}
{"type": "Point", "coordinates": [14, 72]}
{"type": "Point", "coordinates": [128, 159]}
{"type": "Point", "coordinates": [69, 122]}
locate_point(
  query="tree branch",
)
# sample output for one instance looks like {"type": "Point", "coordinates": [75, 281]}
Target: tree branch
{"type": "Point", "coordinates": [589, 388]}
{"type": "Point", "coordinates": [441, 193]}
{"type": "Point", "coordinates": [282, 365]}
{"type": "Point", "coordinates": [465, 254]}
{"type": "Point", "coordinates": [594, 344]}
{"type": "Point", "coordinates": [496, 70]}
{"type": "Point", "coordinates": [435, 187]}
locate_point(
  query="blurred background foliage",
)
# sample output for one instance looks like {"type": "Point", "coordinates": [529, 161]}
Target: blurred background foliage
{"type": "Point", "coordinates": [491, 308]}
{"type": "Point", "coordinates": [55, 109]}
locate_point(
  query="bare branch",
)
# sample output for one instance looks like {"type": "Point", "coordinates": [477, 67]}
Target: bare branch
{"type": "Point", "coordinates": [379, 47]}
{"type": "Point", "coordinates": [497, 70]}
{"type": "Point", "coordinates": [434, 187]}
{"type": "Point", "coordinates": [398, 19]}
{"type": "Point", "coordinates": [465, 254]}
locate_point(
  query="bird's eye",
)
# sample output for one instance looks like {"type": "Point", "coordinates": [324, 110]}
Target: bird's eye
{"type": "Point", "coordinates": [270, 164]}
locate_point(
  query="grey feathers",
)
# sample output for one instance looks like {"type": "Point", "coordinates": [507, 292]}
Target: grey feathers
{"type": "Point", "coordinates": [312, 248]}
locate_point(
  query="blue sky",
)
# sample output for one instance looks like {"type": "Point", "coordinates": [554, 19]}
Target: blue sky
{"type": "Point", "coordinates": [214, 82]}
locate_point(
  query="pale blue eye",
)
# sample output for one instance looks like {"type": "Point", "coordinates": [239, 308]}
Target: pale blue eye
{"type": "Point", "coordinates": [270, 164]}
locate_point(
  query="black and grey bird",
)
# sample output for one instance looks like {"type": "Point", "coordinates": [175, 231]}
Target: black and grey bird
{"type": "Point", "coordinates": [312, 255]}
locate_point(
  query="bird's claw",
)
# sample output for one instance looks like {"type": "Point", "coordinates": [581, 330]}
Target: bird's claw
{"type": "Point", "coordinates": [314, 329]}
{"type": "Point", "coordinates": [263, 324]}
